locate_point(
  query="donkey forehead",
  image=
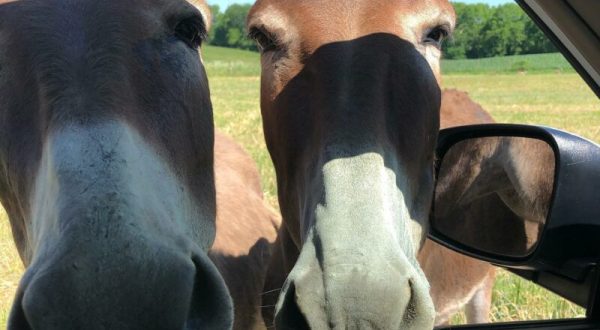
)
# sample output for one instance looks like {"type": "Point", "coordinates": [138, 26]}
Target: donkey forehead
{"type": "Point", "coordinates": [317, 22]}
{"type": "Point", "coordinates": [64, 61]}
{"type": "Point", "coordinates": [57, 36]}
{"type": "Point", "coordinates": [133, 16]}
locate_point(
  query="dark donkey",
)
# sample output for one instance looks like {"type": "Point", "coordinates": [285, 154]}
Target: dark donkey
{"type": "Point", "coordinates": [350, 101]}
{"type": "Point", "coordinates": [106, 165]}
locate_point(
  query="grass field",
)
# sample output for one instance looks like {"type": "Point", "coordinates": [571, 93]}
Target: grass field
{"type": "Point", "coordinates": [550, 63]}
{"type": "Point", "coordinates": [553, 97]}
{"type": "Point", "coordinates": [225, 62]}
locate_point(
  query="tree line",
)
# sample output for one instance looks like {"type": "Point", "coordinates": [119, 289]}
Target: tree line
{"type": "Point", "coordinates": [484, 31]}
{"type": "Point", "coordinates": [229, 27]}
{"type": "Point", "coordinates": [481, 31]}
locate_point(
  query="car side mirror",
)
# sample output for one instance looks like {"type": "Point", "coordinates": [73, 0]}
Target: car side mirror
{"type": "Point", "coordinates": [493, 193]}
{"type": "Point", "coordinates": [522, 197]}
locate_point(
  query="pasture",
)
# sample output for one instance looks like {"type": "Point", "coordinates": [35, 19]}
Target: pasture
{"type": "Point", "coordinates": [545, 92]}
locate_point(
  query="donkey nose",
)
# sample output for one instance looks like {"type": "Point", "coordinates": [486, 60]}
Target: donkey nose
{"type": "Point", "coordinates": [164, 290]}
{"type": "Point", "coordinates": [390, 305]}
{"type": "Point", "coordinates": [354, 296]}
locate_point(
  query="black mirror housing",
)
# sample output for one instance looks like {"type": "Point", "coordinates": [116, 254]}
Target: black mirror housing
{"type": "Point", "coordinates": [569, 243]}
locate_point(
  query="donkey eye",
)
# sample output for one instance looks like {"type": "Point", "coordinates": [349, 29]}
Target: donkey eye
{"type": "Point", "coordinates": [192, 31]}
{"type": "Point", "coordinates": [436, 36]}
{"type": "Point", "coordinates": [264, 41]}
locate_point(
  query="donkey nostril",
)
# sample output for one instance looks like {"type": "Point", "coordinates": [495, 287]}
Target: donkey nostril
{"type": "Point", "coordinates": [17, 319]}
{"type": "Point", "coordinates": [410, 312]}
{"type": "Point", "coordinates": [290, 316]}
{"type": "Point", "coordinates": [211, 306]}
{"type": "Point", "coordinates": [419, 310]}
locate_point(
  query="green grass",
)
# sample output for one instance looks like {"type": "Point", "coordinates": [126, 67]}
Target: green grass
{"type": "Point", "coordinates": [237, 113]}
{"type": "Point", "coordinates": [519, 63]}
{"type": "Point", "coordinates": [516, 299]}
{"type": "Point", "coordinates": [512, 292]}
{"type": "Point", "coordinates": [227, 62]}
{"type": "Point", "coordinates": [561, 100]}
{"type": "Point", "coordinates": [558, 100]}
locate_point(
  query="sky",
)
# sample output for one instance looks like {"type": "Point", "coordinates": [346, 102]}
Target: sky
{"type": "Point", "coordinates": [225, 3]}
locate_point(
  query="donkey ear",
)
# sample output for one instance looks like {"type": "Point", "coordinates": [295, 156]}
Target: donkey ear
{"type": "Point", "coordinates": [204, 10]}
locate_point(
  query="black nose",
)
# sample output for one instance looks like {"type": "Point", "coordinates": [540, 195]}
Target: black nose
{"type": "Point", "coordinates": [290, 316]}
{"type": "Point", "coordinates": [163, 291]}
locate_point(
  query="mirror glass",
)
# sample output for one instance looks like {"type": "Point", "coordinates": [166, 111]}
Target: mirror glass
{"type": "Point", "coordinates": [493, 193]}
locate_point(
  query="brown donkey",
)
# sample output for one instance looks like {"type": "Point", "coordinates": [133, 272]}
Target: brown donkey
{"type": "Point", "coordinates": [246, 230]}
{"type": "Point", "coordinates": [350, 101]}
{"type": "Point", "coordinates": [106, 165]}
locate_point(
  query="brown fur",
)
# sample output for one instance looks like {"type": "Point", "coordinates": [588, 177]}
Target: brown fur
{"type": "Point", "coordinates": [457, 280]}
{"type": "Point", "coordinates": [246, 229]}
{"type": "Point", "coordinates": [459, 109]}
{"type": "Point", "coordinates": [342, 71]}
{"type": "Point", "coordinates": [452, 286]}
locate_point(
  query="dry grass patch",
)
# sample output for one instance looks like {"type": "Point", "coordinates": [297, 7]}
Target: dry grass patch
{"type": "Point", "coordinates": [11, 268]}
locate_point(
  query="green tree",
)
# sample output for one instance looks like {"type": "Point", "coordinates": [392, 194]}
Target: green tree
{"type": "Point", "coordinates": [470, 20]}
{"type": "Point", "coordinates": [215, 10]}
{"type": "Point", "coordinates": [230, 28]}
{"type": "Point", "coordinates": [536, 41]}
{"type": "Point", "coordinates": [504, 33]}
